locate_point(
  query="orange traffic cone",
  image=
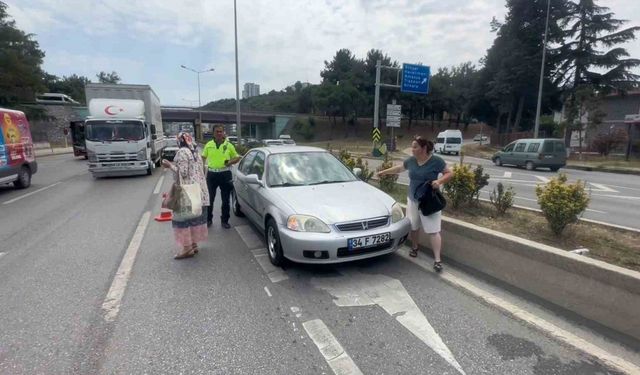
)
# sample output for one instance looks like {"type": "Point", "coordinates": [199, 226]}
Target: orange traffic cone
{"type": "Point", "coordinates": [165, 215]}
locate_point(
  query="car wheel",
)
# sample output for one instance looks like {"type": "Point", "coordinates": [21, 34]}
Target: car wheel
{"type": "Point", "coordinates": [274, 247]}
{"type": "Point", "coordinates": [497, 161]}
{"type": "Point", "coordinates": [529, 166]}
{"type": "Point", "coordinates": [24, 178]}
{"type": "Point", "coordinates": [236, 205]}
{"type": "Point", "coordinates": [554, 169]}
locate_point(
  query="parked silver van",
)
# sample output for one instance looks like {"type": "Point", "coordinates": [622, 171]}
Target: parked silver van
{"type": "Point", "coordinates": [533, 153]}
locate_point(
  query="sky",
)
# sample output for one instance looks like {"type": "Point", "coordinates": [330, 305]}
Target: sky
{"type": "Point", "coordinates": [279, 41]}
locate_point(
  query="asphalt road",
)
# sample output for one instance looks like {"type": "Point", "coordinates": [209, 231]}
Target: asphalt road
{"type": "Point", "coordinates": [615, 198]}
{"type": "Point", "coordinates": [88, 286]}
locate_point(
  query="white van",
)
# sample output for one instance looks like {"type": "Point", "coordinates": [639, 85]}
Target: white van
{"type": "Point", "coordinates": [449, 142]}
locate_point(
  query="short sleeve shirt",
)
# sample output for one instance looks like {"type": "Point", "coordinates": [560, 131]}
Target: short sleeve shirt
{"type": "Point", "coordinates": [420, 174]}
{"type": "Point", "coordinates": [217, 155]}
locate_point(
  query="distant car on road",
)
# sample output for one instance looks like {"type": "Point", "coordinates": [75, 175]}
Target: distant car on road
{"type": "Point", "coordinates": [287, 140]}
{"type": "Point", "coordinates": [272, 142]}
{"type": "Point", "coordinates": [480, 137]}
{"type": "Point", "coordinates": [313, 209]}
{"type": "Point", "coordinates": [169, 152]}
{"type": "Point", "coordinates": [449, 142]}
{"type": "Point", "coordinates": [533, 153]}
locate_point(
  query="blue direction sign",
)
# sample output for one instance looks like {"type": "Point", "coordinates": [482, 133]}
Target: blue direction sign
{"type": "Point", "coordinates": [415, 78]}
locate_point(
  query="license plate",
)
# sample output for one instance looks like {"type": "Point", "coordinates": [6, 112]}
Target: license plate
{"type": "Point", "coordinates": [369, 241]}
{"type": "Point", "coordinates": [119, 165]}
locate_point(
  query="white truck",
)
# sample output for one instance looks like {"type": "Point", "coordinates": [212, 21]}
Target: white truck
{"type": "Point", "coordinates": [124, 134]}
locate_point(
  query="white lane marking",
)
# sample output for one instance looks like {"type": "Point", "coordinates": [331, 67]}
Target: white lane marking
{"type": "Point", "coordinates": [158, 185]}
{"type": "Point", "coordinates": [2, 254]}
{"type": "Point", "coordinates": [30, 194]}
{"type": "Point", "coordinates": [335, 355]}
{"type": "Point", "coordinates": [358, 289]}
{"type": "Point", "coordinates": [542, 178]}
{"type": "Point", "coordinates": [603, 188]}
{"type": "Point", "coordinates": [275, 274]}
{"type": "Point", "coordinates": [249, 236]}
{"type": "Point", "coordinates": [113, 300]}
{"type": "Point", "coordinates": [267, 291]}
{"type": "Point", "coordinates": [527, 317]}
{"type": "Point", "coordinates": [507, 175]}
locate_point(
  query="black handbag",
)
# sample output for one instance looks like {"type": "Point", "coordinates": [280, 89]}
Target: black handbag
{"type": "Point", "coordinates": [431, 201]}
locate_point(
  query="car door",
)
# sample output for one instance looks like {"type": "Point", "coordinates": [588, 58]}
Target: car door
{"type": "Point", "coordinates": [533, 149]}
{"type": "Point", "coordinates": [506, 156]}
{"type": "Point", "coordinates": [255, 198]}
{"type": "Point", "coordinates": [240, 187]}
{"type": "Point", "coordinates": [519, 154]}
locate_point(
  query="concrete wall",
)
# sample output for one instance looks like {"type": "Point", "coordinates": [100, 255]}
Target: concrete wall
{"type": "Point", "coordinates": [598, 291]}
{"type": "Point", "coordinates": [52, 129]}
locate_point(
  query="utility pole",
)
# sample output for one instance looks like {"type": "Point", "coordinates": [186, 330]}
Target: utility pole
{"type": "Point", "coordinates": [544, 52]}
{"type": "Point", "coordinates": [238, 119]}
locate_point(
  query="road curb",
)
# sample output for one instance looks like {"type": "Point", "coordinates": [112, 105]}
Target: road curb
{"type": "Point", "coordinates": [53, 154]}
{"type": "Point", "coordinates": [603, 169]}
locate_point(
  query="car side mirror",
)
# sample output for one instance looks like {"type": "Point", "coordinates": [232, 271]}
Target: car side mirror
{"type": "Point", "coordinates": [357, 172]}
{"type": "Point", "coordinates": [252, 179]}
{"type": "Point", "coordinates": [153, 129]}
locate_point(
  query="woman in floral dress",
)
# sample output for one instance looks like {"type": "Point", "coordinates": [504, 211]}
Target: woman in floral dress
{"type": "Point", "coordinates": [188, 164]}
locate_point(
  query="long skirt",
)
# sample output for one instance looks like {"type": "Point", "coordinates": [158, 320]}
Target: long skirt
{"type": "Point", "coordinates": [191, 231]}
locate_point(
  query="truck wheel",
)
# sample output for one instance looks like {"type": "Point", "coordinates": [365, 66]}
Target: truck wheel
{"type": "Point", "coordinates": [24, 178]}
{"type": "Point", "coordinates": [149, 169]}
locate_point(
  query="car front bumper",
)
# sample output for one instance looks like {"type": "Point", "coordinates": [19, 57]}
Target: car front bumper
{"type": "Point", "coordinates": [301, 246]}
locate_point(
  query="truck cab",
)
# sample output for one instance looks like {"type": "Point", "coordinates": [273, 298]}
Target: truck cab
{"type": "Point", "coordinates": [119, 140]}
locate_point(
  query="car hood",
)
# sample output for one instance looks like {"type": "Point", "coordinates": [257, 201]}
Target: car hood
{"type": "Point", "coordinates": [336, 203]}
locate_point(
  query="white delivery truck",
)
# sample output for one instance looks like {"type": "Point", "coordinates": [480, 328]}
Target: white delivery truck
{"type": "Point", "coordinates": [123, 132]}
{"type": "Point", "coordinates": [449, 142]}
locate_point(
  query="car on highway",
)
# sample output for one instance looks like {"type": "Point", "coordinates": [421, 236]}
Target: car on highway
{"type": "Point", "coordinates": [313, 209]}
{"type": "Point", "coordinates": [449, 142]}
{"type": "Point", "coordinates": [272, 142]}
{"type": "Point", "coordinates": [170, 151]}
{"type": "Point", "coordinates": [17, 156]}
{"type": "Point", "coordinates": [533, 153]}
{"type": "Point", "coordinates": [480, 137]}
{"type": "Point", "coordinates": [287, 140]}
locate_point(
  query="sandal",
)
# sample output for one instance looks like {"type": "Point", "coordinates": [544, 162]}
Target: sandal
{"type": "Point", "coordinates": [437, 266]}
{"type": "Point", "coordinates": [195, 249]}
{"type": "Point", "coordinates": [413, 253]}
{"type": "Point", "coordinates": [190, 254]}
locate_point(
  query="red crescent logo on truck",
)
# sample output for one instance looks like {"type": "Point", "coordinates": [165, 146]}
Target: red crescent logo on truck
{"type": "Point", "coordinates": [108, 110]}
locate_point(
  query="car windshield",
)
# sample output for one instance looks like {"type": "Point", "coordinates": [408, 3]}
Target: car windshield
{"type": "Point", "coordinates": [114, 130]}
{"type": "Point", "coordinates": [306, 168]}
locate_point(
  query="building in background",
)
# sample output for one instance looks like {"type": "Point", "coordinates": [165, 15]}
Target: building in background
{"type": "Point", "coordinates": [250, 90]}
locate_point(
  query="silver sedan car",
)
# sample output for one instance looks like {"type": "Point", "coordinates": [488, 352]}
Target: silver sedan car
{"type": "Point", "coordinates": [313, 209]}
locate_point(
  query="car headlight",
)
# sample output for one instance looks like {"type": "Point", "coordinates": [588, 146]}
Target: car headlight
{"type": "Point", "coordinates": [303, 223]}
{"type": "Point", "coordinates": [142, 155]}
{"type": "Point", "coordinates": [91, 156]}
{"type": "Point", "coordinates": [396, 213]}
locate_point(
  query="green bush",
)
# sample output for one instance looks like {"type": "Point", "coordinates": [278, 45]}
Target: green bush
{"type": "Point", "coordinates": [481, 180]}
{"type": "Point", "coordinates": [562, 203]}
{"type": "Point", "coordinates": [387, 182]}
{"type": "Point", "coordinates": [366, 173]}
{"type": "Point", "coordinates": [304, 129]}
{"type": "Point", "coordinates": [502, 199]}
{"type": "Point", "coordinates": [346, 159]}
{"type": "Point", "coordinates": [460, 189]}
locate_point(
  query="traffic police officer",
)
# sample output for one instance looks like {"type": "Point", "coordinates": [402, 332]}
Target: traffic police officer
{"type": "Point", "coordinates": [219, 155]}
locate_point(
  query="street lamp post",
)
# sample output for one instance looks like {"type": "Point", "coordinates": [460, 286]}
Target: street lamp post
{"type": "Point", "coordinates": [544, 52]}
{"type": "Point", "coordinates": [198, 72]}
{"type": "Point", "coordinates": [238, 119]}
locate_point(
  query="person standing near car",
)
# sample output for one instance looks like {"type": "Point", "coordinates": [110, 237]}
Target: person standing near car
{"type": "Point", "coordinates": [424, 167]}
{"type": "Point", "coordinates": [219, 155]}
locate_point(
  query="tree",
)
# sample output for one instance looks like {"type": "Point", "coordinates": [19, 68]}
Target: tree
{"type": "Point", "coordinates": [21, 75]}
{"type": "Point", "coordinates": [589, 30]}
{"type": "Point", "coordinates": [584, 112]}
{"type": "Point", "coordinates": [112, 77]}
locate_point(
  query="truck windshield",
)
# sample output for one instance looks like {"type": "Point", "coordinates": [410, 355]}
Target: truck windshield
{"type": "Point", "coordinates": [112, 130]}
